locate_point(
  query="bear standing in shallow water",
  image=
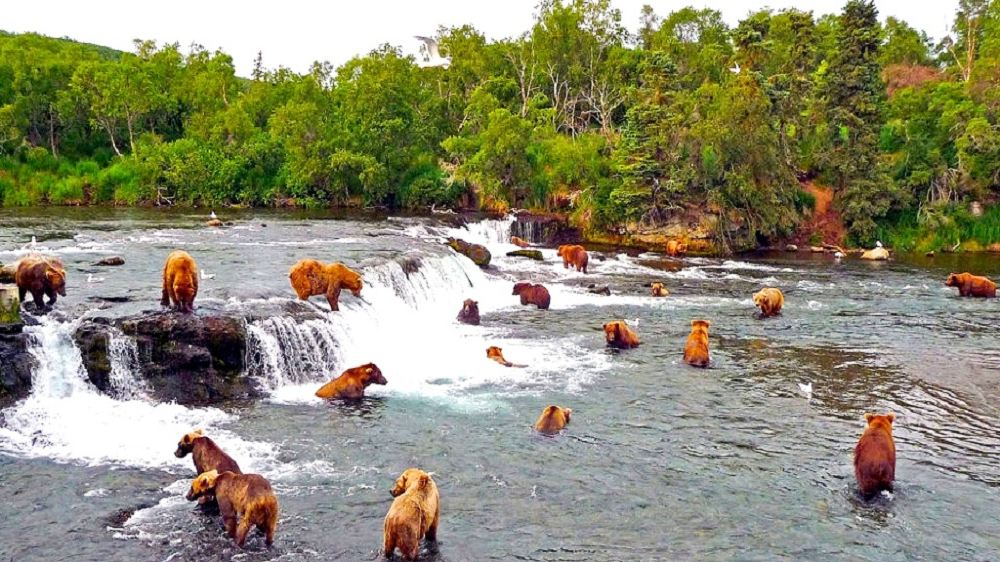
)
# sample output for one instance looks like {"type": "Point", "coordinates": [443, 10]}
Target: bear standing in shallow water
{"type": "Point", "coordinates": [875, 456]}
{"type": "Point", "coordinates": [180, 281]}
{"type": "Point", "coordinates": [414, 514]}
{"type": "Point", "coordinates": [696, 349]}
{"type": "Point", "coordinates": [620, 336]}
{"type": "Point", "coordinates": [311, 277]}
{"type": "Point", "coordinates": [469, 313]}
{"type": "Point", "coordinates": [972, 285]}
{"type": "Point", "coordinates": [246, 498]}
{"type": "Point", "coordinates": [575, 256]}
{"type": "Point", "coordinates": [40, 276]}
{"type": "Point", "coordinates": [537, 295]}
{"type": "Point", "coordinates": [351, 384]}
{"type": "Point", "coordinates": [770, 301]}
{"type": "Point", "coordinates": [553, 419]}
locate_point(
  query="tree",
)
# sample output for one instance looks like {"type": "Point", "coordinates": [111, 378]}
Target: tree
{"type": "Point", "coordinates": [854, 96]}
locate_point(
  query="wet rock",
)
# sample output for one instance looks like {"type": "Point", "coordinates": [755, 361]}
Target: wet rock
{"type": "Point", "coordinates": [930, 254]}
{"type": "Point", "coordinates": [876, 254]}
{"type": "Point", "coordinates": [192, 359]}
{"type": "Point", "coordinates": [549, 229]}
{"type": "Point", "coordinates": [791, 248]}
{"type": "Point", "coordinates": [994, 248]}
{"type": "Point", "coordinates": [531, 254]}
{"type": "Point", "coordinates": [606, 291]}
{"type": "Point", "coordinates": [10, 310]}
{"type": "Point", "coordinates": [113, 260]}
{"type": "Point", "coordinates": [7, 272]}
{"type": "Point", "coordinates": [475, 252]}
{"type": "Point", "coordinates": [16, 364]}
{"type": "Point", "coordinates": [214, 223]}
{"type": "Point", "coordinates": [817, 249]}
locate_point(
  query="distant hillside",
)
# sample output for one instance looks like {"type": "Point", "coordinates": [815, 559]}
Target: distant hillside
{"type": "Point", "coordinates": [10, 40]}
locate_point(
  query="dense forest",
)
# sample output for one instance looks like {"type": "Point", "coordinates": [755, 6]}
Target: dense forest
{"type": "Point", "coordinates": [621, 129]}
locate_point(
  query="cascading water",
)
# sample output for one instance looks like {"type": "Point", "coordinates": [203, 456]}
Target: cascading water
{"type": "Point", "coordinates": [283, 350]}
{"type": "Point", "coordinates": [123, 354]}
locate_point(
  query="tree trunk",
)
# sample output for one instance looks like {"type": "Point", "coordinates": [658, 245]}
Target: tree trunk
{"type": "Point", "coordinates": [52, 133]}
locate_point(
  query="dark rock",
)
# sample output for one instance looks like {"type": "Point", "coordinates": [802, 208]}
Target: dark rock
{"type": "Point", "coordinates": [545, 229]}
{"type": "Point", "coordinates": [16, 364]}
{"type": "Point", "coordinates": [187, 358]}
{"type": "Point", "coordinates": [113, 260]}
{"type": "Point", "coordinates": [410, 264]}
{"type": "Point", "coordinates": [475, 252]}
{"type": "Point", "coordinates": [606, 291]}
{"type": "Point", "coordinates": [532, 254]}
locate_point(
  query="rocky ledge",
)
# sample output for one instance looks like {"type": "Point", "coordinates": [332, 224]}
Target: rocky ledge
{"type": "Point", "coordinates": [193, 359]}
{"type": "Point", "coordinates": [16, 364]}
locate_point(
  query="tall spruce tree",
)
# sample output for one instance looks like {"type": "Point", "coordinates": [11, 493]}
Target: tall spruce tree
{"type": "Point", "coordinates": [854, 96]}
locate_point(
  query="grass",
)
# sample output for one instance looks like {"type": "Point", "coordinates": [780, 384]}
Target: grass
{"type": "Point", "coordinates": [942, 228]}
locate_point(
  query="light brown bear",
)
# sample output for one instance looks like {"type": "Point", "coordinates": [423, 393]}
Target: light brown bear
{"type": "Point", "coordinates": [180, 281]}
{"type": "Point", "coordinates": [620, 336]}
{"type": "Point", "coordinates": [658, 290]}
{"type": "Point", "coordinates": [246, 498]}
{"type": "Point", "coordinates": [351, 384]}
{"type": "Point", "coordinates": [413, 515]}
{"type": "Point", "coordinates": [537, 295]}
{"type": "Point", "coordinates": [696, 349]}
{"type": "Point", "coordinates": [519, 242]}
{"type": "Point", "coordinates": [875, 455]}
{"type": "Point", "coordinates": [675, 248]}
{"type": "Point", "coordinates": [311, 277]}
{"type": "Point", "coordinates": [574, 255]}
{"type": "Point", "coordinates": [972, 285]}
{"type": "Point", "coordinates": [770, 300]}
{"type": "Point", "coordinates": [40, 276]}
{"type": "Point", "coordinates": [553, 419]}
{"type": "Point", "coordinates": [496, 354]}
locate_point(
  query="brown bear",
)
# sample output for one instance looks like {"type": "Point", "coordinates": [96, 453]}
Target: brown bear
{"type": "Point", "coordinates": [574, 255]}
{"type": "Point", "coordinates": [244, 497]}
{"type": "Point", "coordinates": [533, 294]}
{"type": "Point", "coordinates": [875, 456]}
{"type": "Point", "coordinates": [520, 243]}
{"type": "Point", "coordinates": [696, 350]}
{"type": "Point", "coordinates": [413, 515]}
{"type": "Point", "coordinates": [770, 300]}
{"type": "Point", "coordinates": [311, 277]}
{"type": "Point", "coordinates": [972, 285]}
{"type": "Point", "coordinates": [495, 353]}
{"type": "Point", "coordinates": [180, 281]}
{"type": "Point", "coordinates": [351, 384]}
{"type": "Point", "coordinates": [205, 453]}
{"type": "Point", "coordinates": [620, 336]}
{"type": "Point", "coordinates": [553, 419]}
{"type": "Point", "coordinates": [675, 248]}
{"type": "Point", "coordinates": [40, 276]}
{"type": "Point", "coordinates": [658, 290]}
{"type": "Point", "coordinates": [469, 313]}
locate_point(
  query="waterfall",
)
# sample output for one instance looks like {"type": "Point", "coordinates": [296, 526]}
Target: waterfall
{"type": "Point", "coordinates": [123, 354]}
{"type": "Point", "coordinates": [284, 350]}
{"type": "Point", "coordinates": [487, 232]}
{"type": "Point", "coordinates": [60, 372]}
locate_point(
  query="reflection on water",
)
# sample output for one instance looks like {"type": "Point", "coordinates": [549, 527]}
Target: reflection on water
{"type": "Point", "coordinates": [660, 461]}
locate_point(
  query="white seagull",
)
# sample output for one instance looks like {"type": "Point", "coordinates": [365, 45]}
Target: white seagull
{"type": "Point", "coordinates": [806, 389]}
{"type": "Point", "coordinates": [735, 68]}
{"type": "Point", "coordinates": [92, 279]}
{"type": "Point", "coordinates": [206, 275]}
{"type": "Point", "coordinates": [838, 255]}
{"type": "Point", "coordinates": [878, 243]}
{"type": "Point", "coordinates": [30, 245]}
{"type": "Point", "coordinates": [432, 55]}
{"type": "Point", "coordinates": [212, 216]}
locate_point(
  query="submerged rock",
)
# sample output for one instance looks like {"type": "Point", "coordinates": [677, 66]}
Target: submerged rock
{"type": "Point", "coordinates": [188, 358]}
{"type": "Point", "coordinates": [16, 364]}
{"type": "Point", "coordinates": [113, 260]}
{"type": "Point", "coordinates": [605, 290]}
{"type": "Point", "coordinates": [532, 254]}
{"type": "Point", "coordinates": [475, 252]}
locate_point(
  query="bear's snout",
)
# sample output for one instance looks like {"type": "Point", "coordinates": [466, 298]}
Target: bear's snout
{"type": "Point", "coordinates": [179, 453]}
{"type": "Point", "coordinates": [191, 496]}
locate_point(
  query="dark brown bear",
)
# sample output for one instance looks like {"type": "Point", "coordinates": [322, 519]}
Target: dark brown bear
{"type": "Point", "coordinates": [205, 453]}
{"type": "Point", "coordinates": [469, 313]}
{"type": "Point", "coordinates": [875, 455]}
{"type": "Point", "coordinates": [533, 294]}
{"type": "Point", "coordinates": [40, 276]}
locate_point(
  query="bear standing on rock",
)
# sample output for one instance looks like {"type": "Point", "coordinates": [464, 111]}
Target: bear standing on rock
{"type": "Point", "coordinates": [972, 285]}
{"type": "Point", "coordinates": [180, 282]}
{"type": "Point", "coordinates": [40, 276]}
{"type": "Point", "coordinates": [311, 277]}
{"type": "Point", "coordinates": [537, 295]}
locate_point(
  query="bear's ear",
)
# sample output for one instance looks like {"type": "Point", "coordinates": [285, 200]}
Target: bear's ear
{"type": "Point", "coordinates": [368, 369]}
{"type": "Point", "coordinates": [567, 412]}
{"type": "Point", "coordinates": [199, 432]}
{"type": "Point", "coordinates": [868, 417]}
{"type": "Point", "coordinates": [891, 417]}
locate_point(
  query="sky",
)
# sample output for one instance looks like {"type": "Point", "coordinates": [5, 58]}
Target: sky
{"type": "Point", "coordinates": [294, 33]}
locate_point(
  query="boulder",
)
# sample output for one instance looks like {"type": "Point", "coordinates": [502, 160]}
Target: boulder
{"type": "Point", "coordinates": [7, 272]}
{"type": "Point", "coordinates": [16, 364]}
{"type": "Point", "coordinates": [791, 248]}
{"type": "Point", "coordinates": [113, 260]}
{"type": "Point", "coordinates": [188, 358]}
{"type": "Point", "coordinates": [10, 310]}
{"type": "Point", "coordinates": [531, 254]}
{"type": "Point", "coordinates": [475, 252]}
{"type": "Point", "coordinates": [606, 291]}
{"type": "Point", "coordinates": [214, 223]}
{"type": "Point", "coordinates": [876, 254]}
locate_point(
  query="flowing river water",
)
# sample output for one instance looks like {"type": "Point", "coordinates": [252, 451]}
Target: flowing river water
{"type": "Point", "coordinates": [660, 462]}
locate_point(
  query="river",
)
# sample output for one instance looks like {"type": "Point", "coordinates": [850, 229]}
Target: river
{"type": "Point", "coordinates": [660, 462]}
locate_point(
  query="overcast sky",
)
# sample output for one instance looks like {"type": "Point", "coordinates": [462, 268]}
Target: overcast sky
{"type": "Point", "coordinates": [294, 33]}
